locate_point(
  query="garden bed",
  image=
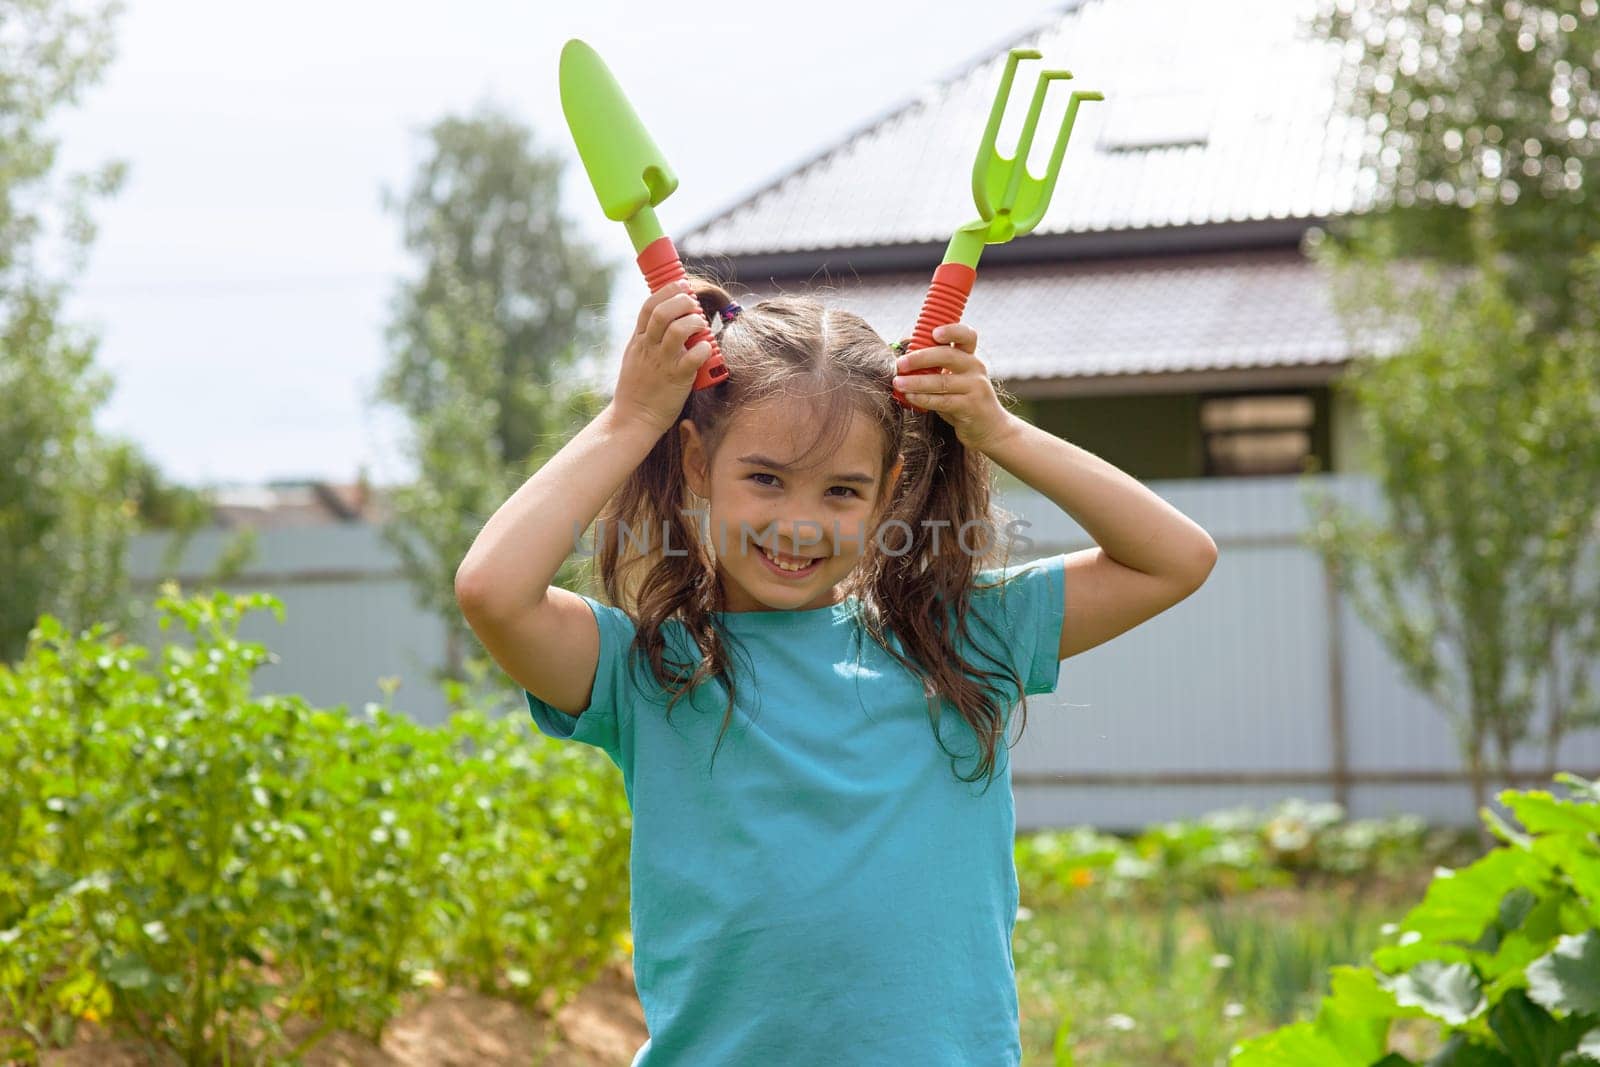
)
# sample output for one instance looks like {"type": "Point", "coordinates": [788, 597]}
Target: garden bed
{"type": "Point", "coordinates": [602, 1026]}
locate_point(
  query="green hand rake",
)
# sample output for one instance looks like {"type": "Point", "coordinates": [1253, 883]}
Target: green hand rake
{"type": "Point", "coordinates": [1010, 202]}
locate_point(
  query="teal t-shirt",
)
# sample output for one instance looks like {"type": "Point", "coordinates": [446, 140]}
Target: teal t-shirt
{"type": "Point", "coordinates": [828, 893]}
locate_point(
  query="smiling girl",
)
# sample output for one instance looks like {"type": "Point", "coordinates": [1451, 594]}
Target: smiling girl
{"type": "Point", "coordinates": [807, 667]}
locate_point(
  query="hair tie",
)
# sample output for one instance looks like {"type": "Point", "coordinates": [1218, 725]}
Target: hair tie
{"type": "Point", "coordinates": [730, 313]}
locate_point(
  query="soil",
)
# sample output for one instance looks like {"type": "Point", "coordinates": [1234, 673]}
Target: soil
{"type": "Point", "coordinates": [602, 1027]}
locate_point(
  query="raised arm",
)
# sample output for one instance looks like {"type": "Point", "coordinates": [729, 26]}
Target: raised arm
{"type": "Point", "coordinates": [528, 538]}
{"type": "Point", "coordinates": [1149, 555]}
{"type": "Point", "coordinates": [546, 638]}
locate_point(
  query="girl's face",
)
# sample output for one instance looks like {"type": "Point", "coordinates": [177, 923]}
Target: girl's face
{"type": "Point", "coordinates": [817, 520]}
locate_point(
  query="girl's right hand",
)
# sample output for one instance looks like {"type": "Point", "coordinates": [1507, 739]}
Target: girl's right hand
{"type": "Point", "coordinates": [657, 370]}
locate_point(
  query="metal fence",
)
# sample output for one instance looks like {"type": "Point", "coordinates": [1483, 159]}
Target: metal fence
{"type": "Point", "coordinates": [1264, 684]}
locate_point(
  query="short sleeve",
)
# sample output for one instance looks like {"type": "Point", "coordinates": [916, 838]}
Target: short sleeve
{"type": "Point", "coordinates": [603, 722]}
{"type": "Point", "coordinates": [1028, 612]}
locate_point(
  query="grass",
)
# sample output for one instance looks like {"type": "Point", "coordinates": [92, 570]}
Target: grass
{"type": "Point", "coordinates": [1108, 983]}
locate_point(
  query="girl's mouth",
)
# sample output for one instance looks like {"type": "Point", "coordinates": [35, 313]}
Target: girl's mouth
{"type": "Point", "coordinates": [785, 566]}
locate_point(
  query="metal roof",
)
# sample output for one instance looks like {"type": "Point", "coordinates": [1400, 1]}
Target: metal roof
{"type": "Point", "coordinates": [1215, 112]}
{"type": "Point", "coordinates": [1175, 316]}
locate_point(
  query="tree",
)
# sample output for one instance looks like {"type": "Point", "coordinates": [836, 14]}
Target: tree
{"type": "Point", "coordinates": [1479, 254]}
{"type": "Point", "coordinates": [1483, 575]}
{"type": "Point", "coordinates": [484, 345]}
{"type": "Point", "coordinates": [69, 498]}
{"type": "Point", "coordinates": [1483, 120]}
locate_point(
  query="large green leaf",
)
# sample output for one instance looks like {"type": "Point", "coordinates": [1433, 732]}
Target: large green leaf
{"type": "Point", "coordinates": [1567, 978]}
{"type": "Point", "coordinates": [1541, 813]}
{"type": "Point", "coordinates": [1351, 1028]}
{"type": "Point", "coordinates": [1447, 991]}
{"type": "Point", "coordinates": [1394, 958]}
{"type": "Point", "coordinates": [1579, 860]}
{"type": "Point", "coordinates": [1587, 1052]}
{"type": "Point", "coordinates": [1460, 1051]}
{"type": "Point", "coordinates": [1294, 1046]}
{"type": "Point", "coordinates": [1459, 904]}
{"type": "Point", "coordinates": [1530, 939]}
{"type": "Point", "coordinates": [1531, 1035]}
{"type": "Point", "coordinates": [1359, 993]}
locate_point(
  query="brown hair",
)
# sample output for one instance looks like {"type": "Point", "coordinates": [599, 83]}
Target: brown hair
{"type": "Point", "coordinates": [792, 346]}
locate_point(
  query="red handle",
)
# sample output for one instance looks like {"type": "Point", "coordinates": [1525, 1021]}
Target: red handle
{"type": "Point", "coordinates": [946, 299]}
{"type": "Point", "coordinates": [661, 266]}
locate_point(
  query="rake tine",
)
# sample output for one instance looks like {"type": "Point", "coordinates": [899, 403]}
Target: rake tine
{"type": "Point", "coordinates": [1053, 170]}
{"type": "Point", "coordinates": [1019, 161]}
{"type": "Point", "coordinates": [987, 157]}
{"type": "Point", "coordinates": [1016, 176]}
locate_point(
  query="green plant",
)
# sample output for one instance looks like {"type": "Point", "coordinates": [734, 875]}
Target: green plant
{"type": "Point", "coordinates": [1504, 955]}
{"type": "Point", "coordinates": [186, 860]}
{"type": "Point", "coordinates": [1279, 964]}
{"type": "Point", "coordinates": [1224, 853]}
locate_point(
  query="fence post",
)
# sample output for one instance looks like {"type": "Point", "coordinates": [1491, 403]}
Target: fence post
{"type": "Point", "coordinates": [1337, 732]}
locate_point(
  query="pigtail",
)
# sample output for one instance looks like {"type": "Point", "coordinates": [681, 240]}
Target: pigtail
{"type": "Point", "coordinates": [653, 563]}
{"type": "Point", "coordinates": [922, 594]}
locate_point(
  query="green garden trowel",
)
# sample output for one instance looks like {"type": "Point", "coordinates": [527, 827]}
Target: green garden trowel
{"type": "Point", "coordinates": [1010, 202]}
{"type": "Point", "coordinates": [629, 174]}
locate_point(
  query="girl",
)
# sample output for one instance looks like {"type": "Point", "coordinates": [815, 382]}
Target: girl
{"type": "Point", "coordinates": [807, 668]}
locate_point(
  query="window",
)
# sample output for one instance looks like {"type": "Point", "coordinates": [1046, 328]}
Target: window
{"type": "Point", "coordinates": [1257, 434]}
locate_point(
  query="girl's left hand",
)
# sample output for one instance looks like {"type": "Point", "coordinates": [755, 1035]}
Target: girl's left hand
{"type": "Point", "coordinates": [962, 394]}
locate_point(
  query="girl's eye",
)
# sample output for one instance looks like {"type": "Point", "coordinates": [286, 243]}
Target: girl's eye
{"type": "Point", "coordinates": [761, 474]}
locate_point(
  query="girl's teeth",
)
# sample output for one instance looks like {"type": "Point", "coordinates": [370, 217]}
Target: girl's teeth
{"type": "Point", "coordinates": [787, 565]}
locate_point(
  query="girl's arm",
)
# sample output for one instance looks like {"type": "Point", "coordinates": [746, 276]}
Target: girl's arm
{"type": "Point", "coordinates": [528, 538]}
{"type": "Point", "coordinates": [1150, 555]}
{"type": "Point", "coordinates": [546, 638]}
{"type": "Point", "coordinates": [1131, 524]}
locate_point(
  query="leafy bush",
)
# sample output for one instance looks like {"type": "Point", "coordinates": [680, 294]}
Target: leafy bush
{"type": "Point", "coordinates": [1224, 852]}
{"type": "Point", "coordinates": [196, 864]}
{"type": "Point", "coordinates": [1504, 955]}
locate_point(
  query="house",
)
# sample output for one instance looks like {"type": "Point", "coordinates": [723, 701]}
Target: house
{"type": "Point", "coordinates": [298, 502]}
{"type": "Point", "coordinates": [1165, 316]}
{"type": "Point", "coordinates": [1162, 314]}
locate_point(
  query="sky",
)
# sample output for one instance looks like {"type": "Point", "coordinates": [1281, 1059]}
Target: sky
{"type": "Point", "coordinates": [240, 281]}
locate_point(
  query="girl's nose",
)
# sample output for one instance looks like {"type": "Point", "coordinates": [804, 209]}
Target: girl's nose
{"type": "Point", "coordinates": [803, 536]}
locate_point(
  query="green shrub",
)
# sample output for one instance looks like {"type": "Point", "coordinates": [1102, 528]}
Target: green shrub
{"type": "Point", "coordinates": [194, 863]}
{"type": "Point", "coordinates": [1225, 852]}
{"type": "Point", "coordinates": [1504, 955]}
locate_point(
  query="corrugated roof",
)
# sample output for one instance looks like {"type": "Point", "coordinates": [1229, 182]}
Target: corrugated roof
{"type": "Point", "coordinates": [1235, 319]}
{"type": "Point", "coordinates": [1215, 112]}
{"type": "Point", "coordinates": [1157, 315]}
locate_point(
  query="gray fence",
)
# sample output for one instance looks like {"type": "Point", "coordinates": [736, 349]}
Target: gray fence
{"type": "Point", "coordinates": [1264, 684]}
{"type": "Point", "coordinates": [350, 617]}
